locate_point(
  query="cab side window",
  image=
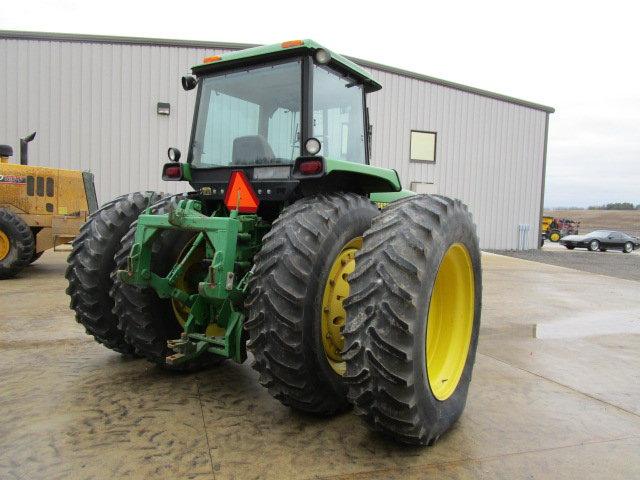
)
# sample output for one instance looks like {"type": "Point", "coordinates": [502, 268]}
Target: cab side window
{"type": "Point", "coordinates": [40, 186]}
{"type": "Point", "coordinates": [30, 186]}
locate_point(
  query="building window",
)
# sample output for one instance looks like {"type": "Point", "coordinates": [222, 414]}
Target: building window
{"type": "Point", "coordinates": [423, 146]}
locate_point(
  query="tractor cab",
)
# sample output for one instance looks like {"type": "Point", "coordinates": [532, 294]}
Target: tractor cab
{"type": "Point", "coordinates": [291, 116]}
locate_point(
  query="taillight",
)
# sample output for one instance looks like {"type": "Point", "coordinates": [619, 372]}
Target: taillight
{"type": "Point", "coordinates": [310, 167]}
{"type": "Point", "coordinates": [174, 172]}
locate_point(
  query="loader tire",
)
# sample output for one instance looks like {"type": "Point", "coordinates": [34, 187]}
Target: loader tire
{"type": "Point", "coordinates": [17, 244]}
{"type": "Point", "coordinates": [291, 300]}
{"type": "Point", "coordinates": [91, 263]}
{"type": "Point", "coordinates": [36, 256]}
{"type": "Point", "coordinates": [413, 318]}
{"type": "Point", "coordinates": [147, 320]}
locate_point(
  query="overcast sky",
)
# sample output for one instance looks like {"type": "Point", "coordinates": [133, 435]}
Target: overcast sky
{"type": "Point", "coordinates": [580, 57]}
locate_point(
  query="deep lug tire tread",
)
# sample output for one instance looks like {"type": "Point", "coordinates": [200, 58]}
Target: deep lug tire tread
{"type": "Point", "coordinates": [145, 319]}
{"type": "Point", "coordinates": [384, 334]}
{"type": "Point", "coordinates": [284, 291]}
{"type": "Point", "coordinates": [90, 265]}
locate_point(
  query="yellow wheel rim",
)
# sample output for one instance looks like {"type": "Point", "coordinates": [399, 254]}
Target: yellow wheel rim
{"type": "Point", "coordinates": [188, 282]}
{"type": "Point", "coordinates": [555, 237]}
{"type": "Point", "coordinates": [333, 314]}
{"type": "Point", "coordinates": [5, 245]}
{"type": "Point", "coordinates": [450, 321]}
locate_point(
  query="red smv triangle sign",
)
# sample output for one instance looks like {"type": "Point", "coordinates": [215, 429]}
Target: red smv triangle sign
{"type": "Point", "coordinates": [240, 194]}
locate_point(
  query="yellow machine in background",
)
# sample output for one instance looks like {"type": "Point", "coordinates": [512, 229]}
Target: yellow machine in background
{"type": "Point", "coordinates": [554, 229]}
{"type": "Point", "coordinates": [546, 225]}
{"type": "Point", "coordinates": [40, 208]}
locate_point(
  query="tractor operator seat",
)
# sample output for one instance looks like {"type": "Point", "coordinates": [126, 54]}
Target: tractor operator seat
{"type": "Point", "coordinates": [251, 150]}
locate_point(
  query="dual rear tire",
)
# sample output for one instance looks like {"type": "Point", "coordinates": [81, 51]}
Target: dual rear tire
{"type": "Point", "coordinates": [145, 320]}
{"type": "Point", "coordinates": [412, 311]}
{"type": "Point", "coordinates": [91, 264]}
{"type": "Point", "coordinates": [126, 319]}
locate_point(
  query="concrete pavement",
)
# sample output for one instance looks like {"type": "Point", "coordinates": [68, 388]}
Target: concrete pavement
{"type": "Point", "coordinates": [561, 407]}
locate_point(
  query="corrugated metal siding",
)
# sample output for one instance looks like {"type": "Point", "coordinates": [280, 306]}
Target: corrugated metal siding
{"type": "Point", "coordinates": [489, 153]}
{"type": "Point", "coordinates": [94, 108]}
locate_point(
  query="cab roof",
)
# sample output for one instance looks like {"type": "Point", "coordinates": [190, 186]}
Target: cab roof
{"type": "Point", "coordinates": [291, 48]}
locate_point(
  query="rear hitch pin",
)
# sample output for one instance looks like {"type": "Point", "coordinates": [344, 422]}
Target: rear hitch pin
{"type": "Point", "coordinates": [229, 284]}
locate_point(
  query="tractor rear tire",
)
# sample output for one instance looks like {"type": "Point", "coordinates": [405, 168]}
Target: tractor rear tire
{"type": "Point", "coordinates": [413, 318]}
{"type": "Point", "coordinates": [147, 320]}
{"type": "Point", "coordinates": [286, 300]}
{"type": "Point", "coordinates": [91, 263]}
{"type": "Point", "coordinates": [17, 244]}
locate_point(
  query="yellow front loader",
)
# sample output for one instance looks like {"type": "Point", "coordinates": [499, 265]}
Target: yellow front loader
{"type": "Point", "coordinates": [40, 208]}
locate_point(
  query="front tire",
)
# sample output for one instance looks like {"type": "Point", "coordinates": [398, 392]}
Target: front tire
{"type": "Point", "coordinates": [414, 318]}
{"type": "Point", "coordinates": [295, 314]}
{"type": "Point", "coordinates": [17, 244]}
{"type": "Point", "coordinates": [90, 264]}
{"type": "Point", "coordinates": [628, 247]}
{"type": "Point", "coordinates": [594, 245]}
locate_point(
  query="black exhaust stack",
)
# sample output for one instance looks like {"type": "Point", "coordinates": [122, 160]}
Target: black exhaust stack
{"type": "Point", "coordinates": [24, 148]}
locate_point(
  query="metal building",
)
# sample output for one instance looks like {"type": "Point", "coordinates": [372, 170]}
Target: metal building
{"type": "Point", "coordinates": [114, 105]}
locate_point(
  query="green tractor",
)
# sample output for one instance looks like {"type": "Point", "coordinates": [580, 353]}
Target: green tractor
{"type": "Point", "coordinates": [346, 289]}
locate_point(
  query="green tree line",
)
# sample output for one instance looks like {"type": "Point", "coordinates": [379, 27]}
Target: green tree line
{"type": "Point", "coordinates": [616, 206]}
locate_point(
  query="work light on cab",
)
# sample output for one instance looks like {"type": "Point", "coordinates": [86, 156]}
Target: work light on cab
{"type": "Point", "coordinates": [174, 154]}
{"type": "Point", "coordinates": [312, 146]}
{"type": "Point", "coordinates": [322, 56]}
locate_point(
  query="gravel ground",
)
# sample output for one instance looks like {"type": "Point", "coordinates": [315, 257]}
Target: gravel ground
{"type": "Point", "coordinates": [615, 264]}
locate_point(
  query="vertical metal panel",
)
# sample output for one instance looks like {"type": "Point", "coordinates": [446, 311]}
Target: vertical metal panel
{"type": "Point", "coordinates": [489, 153]}
{"type": "Point", "coordinates": [94, 108]}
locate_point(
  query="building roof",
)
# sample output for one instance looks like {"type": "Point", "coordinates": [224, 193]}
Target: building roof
{"type": "Point", "coordinates": [73, 37]}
